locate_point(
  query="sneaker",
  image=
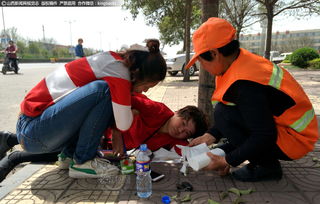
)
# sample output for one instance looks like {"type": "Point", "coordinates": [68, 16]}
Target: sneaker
{"type": "Point", "coordinates": [6, 165]}
{"type": "Point", "coordinates": [4, 147]}
{"type": "Point", "coordinates": [255, 173]}
{"type": "Point", "coordinates": [63, 161]}
{"type": "Point", "coordinates": [96, 168]}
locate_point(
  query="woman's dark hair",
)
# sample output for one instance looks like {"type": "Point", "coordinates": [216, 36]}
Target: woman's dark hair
{"type": "Point", "coordinates": [227, 50]}
{"type": "Point", "coordinates": [147, 66]}
{"type": "Point", "coordinates": [199, 118]}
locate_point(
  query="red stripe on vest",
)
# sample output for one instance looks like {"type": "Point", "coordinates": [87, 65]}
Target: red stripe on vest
{"type": "Point", "coordinates": [120, 90]}
{"type": "Point", "coordinates": [80, 72]}
{"type": "Point", "coordinates": [37, 100]}
{"type": "Point", "coordinates": [115, 55]}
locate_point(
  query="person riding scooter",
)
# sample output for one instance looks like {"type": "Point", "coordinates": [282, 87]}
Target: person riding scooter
{"type": "Point", "coordinates": [10, 63]}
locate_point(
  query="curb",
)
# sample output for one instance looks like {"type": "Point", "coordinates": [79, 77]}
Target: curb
{"type": "Point", "coordinates": [18, 178]}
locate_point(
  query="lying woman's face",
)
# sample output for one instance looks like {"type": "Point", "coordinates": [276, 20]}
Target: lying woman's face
{"type": "Point", "coordinates": [140, 87]}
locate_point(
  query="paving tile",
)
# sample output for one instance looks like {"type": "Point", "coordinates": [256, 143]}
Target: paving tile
{"type": "Point", "coordinates": [49, 177]}
{"type": "Point", "coordinates": [313, 197]}
{"type": "Point", "coordinates": [113, 183]}
{"type": "Point", "coordinates": [304, 179]}
{"type": "Point", "coordinates": [254, 197]}
{"type": "Point", "coordinates": [32, 196]}
{"type": "Point", "coordinates": [207, 181]}
{"type": "Point", "coordinates": [88, 196]}
{"type": "Point", "coordinates": [310, 160]}
{"type": "Point", "coordinates": [131, 197]}
{"type": "Point", "coordinates": [271, 197]}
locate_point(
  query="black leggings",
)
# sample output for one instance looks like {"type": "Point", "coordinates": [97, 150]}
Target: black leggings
{"type": "Point", "coordinates": [229, 122]}
{"type": "Point", "coordinates": [18, 157]}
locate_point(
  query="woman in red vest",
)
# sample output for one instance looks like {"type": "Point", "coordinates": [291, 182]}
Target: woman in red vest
{"type": "Point", "coordinates": [69, 109]}
{"type": "Point", "coordinates": [259, 107]}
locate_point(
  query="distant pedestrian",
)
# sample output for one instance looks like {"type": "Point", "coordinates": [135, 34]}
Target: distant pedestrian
{"type": "Point", "coordinates": [79, 49]}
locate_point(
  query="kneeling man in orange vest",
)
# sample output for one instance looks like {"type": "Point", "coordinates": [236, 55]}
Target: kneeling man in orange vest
{"type": "Point", "coordinates": [259, 107]}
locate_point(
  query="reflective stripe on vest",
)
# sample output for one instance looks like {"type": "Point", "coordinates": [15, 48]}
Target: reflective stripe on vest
{"type": "Point", "coordinates": [303, 122]}
{"type": "Point", "coordinates": [214, 102]}
{"type": "Point", "coordinates": [276, 77]}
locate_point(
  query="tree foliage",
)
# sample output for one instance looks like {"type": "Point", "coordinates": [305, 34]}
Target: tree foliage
{"type": "Point", "coordinates": [240, 13]}
{"type": "Point", "coordinates": [41, 49]}
{"type": "Point", "coordinates": [272, 8]}
{"type": "Point", "coordinates": [167, 15]}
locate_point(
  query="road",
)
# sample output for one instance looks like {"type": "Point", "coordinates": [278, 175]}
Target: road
{"type": "Point", "coordinates": [13, 88]}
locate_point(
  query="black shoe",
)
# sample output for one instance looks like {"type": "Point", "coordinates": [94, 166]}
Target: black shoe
{"type": "Point", "coordinates": [254, 173]}
{"type": "Point", "coordinates": [6, 165]}
{"type": "Point", "coordinates": [4, 147]}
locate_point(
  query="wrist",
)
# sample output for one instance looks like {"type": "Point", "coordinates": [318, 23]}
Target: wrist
{"type": "Point", "coordinates": [211, 138]}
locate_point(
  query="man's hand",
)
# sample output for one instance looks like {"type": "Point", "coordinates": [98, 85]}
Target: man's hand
{"type": "Point", "coordinates": [117, 143]}
{"type": "Point", "coordinates": [206, 138]}
{"type": "Point", "coordinates": [218, 163]}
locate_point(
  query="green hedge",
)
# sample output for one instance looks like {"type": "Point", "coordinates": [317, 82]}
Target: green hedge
{"type": "Point", "coordinates": [300, 57]}
{"type": "Point", "coordinates": [314, 64]}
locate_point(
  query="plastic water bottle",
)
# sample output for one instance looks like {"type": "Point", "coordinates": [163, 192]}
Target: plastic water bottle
{"type": "Point", "coordinates": [143, 181]}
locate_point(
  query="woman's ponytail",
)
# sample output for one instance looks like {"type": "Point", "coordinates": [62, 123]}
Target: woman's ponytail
{"type": "Point", "coordinates": [147, 66]}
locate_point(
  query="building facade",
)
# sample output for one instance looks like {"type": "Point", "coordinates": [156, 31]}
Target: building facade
{"type": "Point", "coordinates": [287, 41]}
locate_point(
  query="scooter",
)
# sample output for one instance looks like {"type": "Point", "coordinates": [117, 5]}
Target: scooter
{"type": "Point", "coordinates": [8, 66]}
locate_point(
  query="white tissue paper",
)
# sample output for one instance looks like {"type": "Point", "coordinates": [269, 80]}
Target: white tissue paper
{"type": "Point", "coordinates": [163, 155]}
{"type": "Point", "coordinates": [197, 157]}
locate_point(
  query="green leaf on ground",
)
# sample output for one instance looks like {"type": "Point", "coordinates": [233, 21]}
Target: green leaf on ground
{"type": "Point", "coordinates": [239, 201]}
{"type": "Point", "coordinates": [235, 191]}
{"type": "Point", "coordinates": [315, 159]}
{"type": "Point", "coordinates": [212, 202]}
{"type": "Point", "coordinates": [174, 197]}
{"type": "Point", "coordinates": [186, 198]}
{"type": "Point", "coordinates": [246, 192]}
{"type": "Point", "coordinates": [223, 195]}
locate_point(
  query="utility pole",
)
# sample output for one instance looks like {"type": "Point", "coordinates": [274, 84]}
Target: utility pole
{"type": "Point", "coordinates": [100, 41]}
{"type": "Point", "coordinates": [44, 37]}
{"type": "Point", "coordinates": [4, 26]}
{"type": "Point", "coordinates": [70, 22]}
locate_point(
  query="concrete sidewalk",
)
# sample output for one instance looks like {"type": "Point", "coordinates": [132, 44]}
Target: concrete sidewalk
{"type": "Point", "coordinates": [47, 184]}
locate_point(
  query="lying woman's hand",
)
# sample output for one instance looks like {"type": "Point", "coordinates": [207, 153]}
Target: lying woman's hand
{"type": "Point", "coordinates": [206, 138]}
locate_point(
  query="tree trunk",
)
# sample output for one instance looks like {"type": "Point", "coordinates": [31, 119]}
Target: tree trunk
{"type": "Point", "coordinates": [186, 76]}
{"type": "Point", "coordinates": [210, 8]}
{"type": "Point", "coordinates": [269, 31]}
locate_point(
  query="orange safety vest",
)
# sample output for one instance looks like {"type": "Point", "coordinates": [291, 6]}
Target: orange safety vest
{"type": "Point", "coordinates": [297, 127]}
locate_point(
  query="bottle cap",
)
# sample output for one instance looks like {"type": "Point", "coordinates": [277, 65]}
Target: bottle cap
{"type": "Point", "coordinates": [143, 147]}
{"type": "Point", "coordinates": [166, 199]}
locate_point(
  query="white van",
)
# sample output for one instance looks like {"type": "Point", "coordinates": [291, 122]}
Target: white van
{"type": "Point", "coordinates": [176, 64]}
{"type": "Point", "coordinates": [281, 57]}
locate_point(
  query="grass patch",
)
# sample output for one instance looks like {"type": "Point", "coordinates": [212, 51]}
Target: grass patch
{"type": "Point", "coordinates": [290, 66]}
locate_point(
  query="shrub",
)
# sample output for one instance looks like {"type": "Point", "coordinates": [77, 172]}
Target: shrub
{"type": "Point", "coordinates": [288, 58]}
{"type": "Point", "coordinates": [315, 63]}
{"type": "Point", "coordinates": [300, 57]}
